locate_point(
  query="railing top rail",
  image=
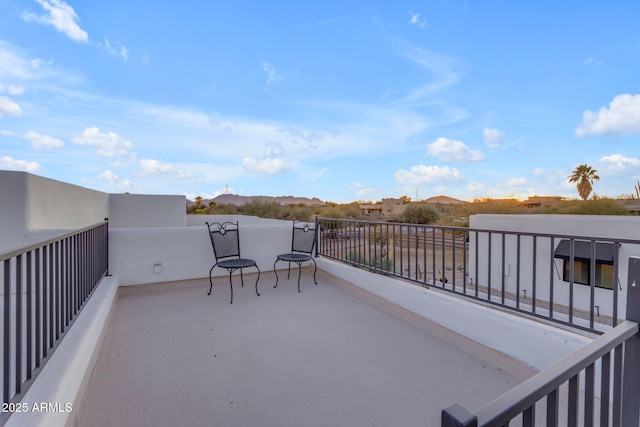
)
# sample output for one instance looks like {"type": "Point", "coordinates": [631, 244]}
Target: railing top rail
{"type": "Point", "coordinates": [16, 252]}
{"type": "Point", "coordinates": [518, 399]}
{"type": "Point", "coordinates": [486, 230]}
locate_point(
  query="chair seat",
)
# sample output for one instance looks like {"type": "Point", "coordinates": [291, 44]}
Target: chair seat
{"type": "Point", "coordinates": [236, 263]}
{"type": "Point", "coordinates": [294, 257]}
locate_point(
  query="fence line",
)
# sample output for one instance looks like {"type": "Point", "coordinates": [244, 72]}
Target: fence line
{"type": "Point", "coordinates": [567, 279]}
{"type": "Point", "coordinates": [45, 286]}
{"type": "Point", "coordinates": [607, 368]}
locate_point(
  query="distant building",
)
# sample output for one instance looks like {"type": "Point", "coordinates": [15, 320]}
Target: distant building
{"type": "Point", "coordinates": [390, 207]}
{"type": "Point", "coordinates": [538, 201]}
{"type": "Point", "coordinates": [386, 209]}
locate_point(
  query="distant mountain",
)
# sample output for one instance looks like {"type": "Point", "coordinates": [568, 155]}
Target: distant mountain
{"type": "Point", "coordinates": [234, 199]}
{"type": "Point", "coordinates": [445, 200]}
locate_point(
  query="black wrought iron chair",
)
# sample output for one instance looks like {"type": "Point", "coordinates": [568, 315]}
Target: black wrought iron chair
{"type": "Point", "coordinates": [225, 239]}
{"type": "Point", "coordinates": [302, 243]}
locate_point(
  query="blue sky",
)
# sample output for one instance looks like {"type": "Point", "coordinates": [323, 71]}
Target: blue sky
{"type": "Point", "coordinates": [341, 100]}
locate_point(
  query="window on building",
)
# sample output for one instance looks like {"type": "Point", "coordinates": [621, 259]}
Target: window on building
{"type": "Point", "coordinates": [583, 255]}
{"type": "Point", "coordinates": [582, 274]}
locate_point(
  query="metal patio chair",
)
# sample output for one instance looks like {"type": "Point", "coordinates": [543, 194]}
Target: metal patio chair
{"type": "Point", "coordinates": [225, 239]}
{"type": "Point", "coordinates": [302, 242]}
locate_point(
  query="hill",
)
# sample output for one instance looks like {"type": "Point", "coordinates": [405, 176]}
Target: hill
{"type": "Point", "coordinates": [237, 200]}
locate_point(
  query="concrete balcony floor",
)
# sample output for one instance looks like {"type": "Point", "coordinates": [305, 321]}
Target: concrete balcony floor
{"type": "Point", "coordinates": [331, 355]}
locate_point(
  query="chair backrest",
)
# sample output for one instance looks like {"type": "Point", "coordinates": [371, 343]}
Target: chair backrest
{"type": "Point", "coordinates": [225, 239]}
{"type": "Point", "coordinates": [304, 237]}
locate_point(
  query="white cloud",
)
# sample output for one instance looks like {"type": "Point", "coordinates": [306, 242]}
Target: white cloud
{"type": "Point", "coordinates": [167, 170]}
{"type": "Point", "coordinates": [361, 190]}
{"type": "Point", "coordinates": [516, 182]}
{"type": "Point", "coordinates": [314, 175]}
{"type": "Point", "coordinates": [415, 20]}
{"type": "Point", "coordinates": [11, 89]}
{"type": "Point", "coordinates": [175, 116]}
{"type": "Point", "coordinates": [274, 150]}
{"type": "Point", "coordinates": [114, 181]}
{"type": "Point", "coordinates": [476, 187]}
{"type": "Point", "coordinates": [268, 166]}
{"type": "Point", "coordinates": [16, 65]}
{"type": "Point", "coordinates": [118, 164]}
{"type": "Point", "coordinates": [538, 172]}
{"type": "Point", "coordinates": [272, 74]}
{"type": "Point", "coordinates": [61, 16]}
{"type": "Point", "coordinates": [43, 142]}
{"type": "Point", "coordinates": [621, 118]}
{"type": "Point", "coordinates": [449, 150]}
{"type": "Point", "coordinates": [118, 49]}
{"type": "Point", "coordinates": [272, 161]}
{"type": "Point", "coordinates": [108, 144]}
{"type": "Point", "coordinates": [124, 53]}
{"type": "Point", "coordinates": [492, 137]}
{"type": "Point", "coordinates": [443, 75]}
{"type": "Point", "coordinates": [7, 162]}
{"type": "Point", "coordinates": [9, 108]}
{"type": "Point", "coordinates": [617, 163]}
{"type": "Point", "coordinates": [420, 175]}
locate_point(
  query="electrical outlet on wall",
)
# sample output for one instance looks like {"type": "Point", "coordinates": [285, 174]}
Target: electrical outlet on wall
{"type": "Point", "coordinates": [157, 268]}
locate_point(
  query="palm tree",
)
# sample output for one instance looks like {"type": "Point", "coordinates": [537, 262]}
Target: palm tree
{"type": "Point", "coordinates": [584, 175]}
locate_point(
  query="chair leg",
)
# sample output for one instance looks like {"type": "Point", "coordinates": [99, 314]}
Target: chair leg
{"type": "Point", "coordinates": [257, 280]}
{"type": "Point", "coordinates": [299, 272]}
{"type": "Point", "coordinates": [210, 281]}
{"type": "Point", "coordinates": [289, 271]}
{"type": "Point", "coordinates": [276, 272]}
{"type": "Point", "coordinates": [315, 268]}
{"type": "Point", "coordinates": [231, 285]}
{"type": "Point", "coordinates": [241, 278]}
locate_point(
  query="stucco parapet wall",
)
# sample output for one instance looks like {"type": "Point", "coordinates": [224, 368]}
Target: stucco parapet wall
{"type": "Point", "coordinates": [605, 226]}
{"type": "Point", "coordinates": [146, 210]}
{"type": "Point", "coordinates": [162, 254]}
{"type": "Point", "coordinates": [30, 204]}
{"type": "Point", "coordinates": [63, 378]}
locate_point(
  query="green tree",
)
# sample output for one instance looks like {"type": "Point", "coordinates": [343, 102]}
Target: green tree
{"type": "Point", "coordinates": [584, 176]}
{"type": "Point", "coordinates": [421, 213]}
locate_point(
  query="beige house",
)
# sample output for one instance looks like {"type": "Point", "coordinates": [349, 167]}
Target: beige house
{"type": "Point", "coordinates": [385, 209]}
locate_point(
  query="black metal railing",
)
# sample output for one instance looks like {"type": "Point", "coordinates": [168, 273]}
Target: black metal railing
{"type": "Point", "coordinates": [531, 273]}
{"type": "Point", "coordinates": [44, 287]}
{"type": "Point", "coordinates": [596, 385]}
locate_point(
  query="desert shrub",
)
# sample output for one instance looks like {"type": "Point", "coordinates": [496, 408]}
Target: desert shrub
{"type": "Point", "coordinates": [421, 213]}
{"type": "Point", "coordinates": [297, 213]}
{"type": "Point", "coordinates": [384, 263]}
{"type": "Point", "coordinates": [262, 209]}
{"type": "Point", "coordinates": [355, 256]}
{"type": "Point", "coordinates": [224, 209]}
{"type": "Point", "coordinates": [601, 206]}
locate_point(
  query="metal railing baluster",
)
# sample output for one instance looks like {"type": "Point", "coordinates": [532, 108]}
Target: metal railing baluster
{"type": "Point", "coordinates": [41, 299]}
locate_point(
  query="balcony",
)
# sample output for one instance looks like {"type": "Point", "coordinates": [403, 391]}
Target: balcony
{"type": "Point", "coordinates": [149, 347]}
{"type": "Point", "coordinates": [333, 354]}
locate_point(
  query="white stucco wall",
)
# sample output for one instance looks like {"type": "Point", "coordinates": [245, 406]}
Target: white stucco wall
{"type": "Point", "coordinates": [161, 254]}
{"type": "Point", "coordinates": [34, 208]}
{"type": "Point", "coordinates": [145, 210]}
{"type": "Point", "coordinates": [13, 202]}
{"type": "Point", "coordinates": [615, 227]}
